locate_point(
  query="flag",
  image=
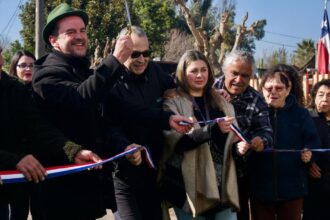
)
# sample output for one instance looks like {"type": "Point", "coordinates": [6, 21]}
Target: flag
{"type": "Point", "coordinates": [323, 49]}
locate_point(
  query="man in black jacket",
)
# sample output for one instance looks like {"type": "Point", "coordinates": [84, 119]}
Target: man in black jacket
{"type": "Point", "coordinates": [69, 93]}
{"type": "Point", "coordinates": [142, 82]}
{"type": "Point", "coordinates": [27, 141]}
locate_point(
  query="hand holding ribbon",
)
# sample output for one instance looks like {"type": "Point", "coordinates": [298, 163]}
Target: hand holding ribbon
{"type": "Point", "coordinates": [306, 155]}
{"type": "Point", "coordinates": [14, 176]}
{"type": "Point", "coordinates": [225, 124]}
{"type": "Point", "coordinates": [134, 158]}
{"type": "Point", "coordinates": [31, 168]}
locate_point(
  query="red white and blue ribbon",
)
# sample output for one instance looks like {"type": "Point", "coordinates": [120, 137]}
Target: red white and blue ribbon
{"type": "Point", "coordinates": [233, 128]}
{"type": "Point", "coordinates": [271, 150]}
{"type": "Point", "coordinates": [52, 172]}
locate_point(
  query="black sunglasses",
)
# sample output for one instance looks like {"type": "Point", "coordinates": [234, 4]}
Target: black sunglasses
{"type": "Point", "coordinates": [137, 54]}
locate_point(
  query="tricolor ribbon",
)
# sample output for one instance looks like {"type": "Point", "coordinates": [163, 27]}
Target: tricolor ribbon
{"type": "Point", "coordinates": [270, 150]}
{"type": "Point", "coordinates": [56, 171]}
{"type": "Point", "coordinates": [233, 127]}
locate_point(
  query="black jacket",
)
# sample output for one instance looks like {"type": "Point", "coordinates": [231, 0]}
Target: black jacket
{"type": "Point", "coordinates": [68, 93]}
{"type": "Point", "coordinates": [322, 185]}
{"type": "Point", "coordinates": [23, 131]}
{"type": "Point", "coordinates": [146, 91]}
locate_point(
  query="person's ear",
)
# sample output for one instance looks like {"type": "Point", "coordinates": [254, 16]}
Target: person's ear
{"type": "Point", "coordinates": [53, 40]}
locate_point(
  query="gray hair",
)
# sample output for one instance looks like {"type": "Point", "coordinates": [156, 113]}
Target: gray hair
{"type": "Point", "coordinates": [246, 56]}
{"type": "Point", "coordinates": [135, 30]}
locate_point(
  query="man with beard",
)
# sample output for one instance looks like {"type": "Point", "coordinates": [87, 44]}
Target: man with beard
{"type": "Point", "coordinates": [27, 142]}
{"type": "Point", "coordinates": [69, 93]}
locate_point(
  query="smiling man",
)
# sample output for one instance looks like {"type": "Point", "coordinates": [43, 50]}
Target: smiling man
{"type": "Point", "coordinates": [68, 94]}
{"type": "Point", "coordinates": [251, 113]}
{"type": "Point", "coordinates": [142, 83]}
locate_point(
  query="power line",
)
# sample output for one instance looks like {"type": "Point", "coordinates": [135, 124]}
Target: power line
{"type": "Point", "coordinates": [278, 44]}
{"type": "Point", "coordinates": [286, 35]}
{"type": "Point", "coordinates": [11, 21]}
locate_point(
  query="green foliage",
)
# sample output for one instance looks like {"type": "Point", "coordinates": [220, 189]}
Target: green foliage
{"type": "Point", "coordinates": [304, 52]}
{"type": "Point", "coordinates": [107, 18]}
{"type": "Point", "coordinates": [277, 57]}
{"type": "Point", "coordinates": [9, 53]}
{"type": "Point", "coordinates": [156, 17]}
{"type": "Point", "coordinates": [27, 17]}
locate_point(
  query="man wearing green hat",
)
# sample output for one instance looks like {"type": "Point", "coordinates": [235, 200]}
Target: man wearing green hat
{"type": "Point", "coordinates": [68, 94]}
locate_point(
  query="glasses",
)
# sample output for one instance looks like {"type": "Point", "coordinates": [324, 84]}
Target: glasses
{"type": "Point", "coordinates": [277, 88]}
{"type": "Point", "coordinates": [25, 65]}
{"type": "Point", "coordinates": [137, 54]}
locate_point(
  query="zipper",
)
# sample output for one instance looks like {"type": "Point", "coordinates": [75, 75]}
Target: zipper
{"type": "Point", "coordinates": [275, 171]}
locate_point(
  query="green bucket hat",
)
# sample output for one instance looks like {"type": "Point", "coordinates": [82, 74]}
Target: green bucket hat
{"type": "Point", "coordinates": [61, 11]}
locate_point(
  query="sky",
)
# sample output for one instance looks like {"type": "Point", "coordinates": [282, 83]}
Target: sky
{"type": "Point", "coordinates": [288, 21]}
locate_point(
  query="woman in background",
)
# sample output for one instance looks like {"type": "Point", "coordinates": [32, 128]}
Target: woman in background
{"type": "Point", "coordinates": [21, 66]}
{"type": "Point", "coordinates": [317, 203]}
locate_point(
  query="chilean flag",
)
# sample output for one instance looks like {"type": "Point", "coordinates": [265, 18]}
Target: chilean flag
{"type": "Point", "coordinates": [323, 49]}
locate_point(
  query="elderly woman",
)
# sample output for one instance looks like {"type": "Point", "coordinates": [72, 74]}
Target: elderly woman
{"type": "Point", "coordinates": [199, 174]}
{"type": "Point", "coordinates": [279, 176]}
{"type": "Point", "coordinates": [317, 203]}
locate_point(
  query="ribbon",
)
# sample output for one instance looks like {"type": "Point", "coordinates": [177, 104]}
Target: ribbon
{"type": "Point", "coordinates": [233, 128]}
{"type": "Point", "coordinates": [270, 150]}
{"type": "Point", "coordinates": [56, 171]}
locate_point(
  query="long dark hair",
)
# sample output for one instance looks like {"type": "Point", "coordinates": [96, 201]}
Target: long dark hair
{"type": "Point", "coordinates": [188, 57]}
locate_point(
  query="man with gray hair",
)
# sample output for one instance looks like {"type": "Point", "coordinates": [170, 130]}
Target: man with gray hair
{"type": "Point", "coordinates": [142, 83]}
{"type": "Point", "coordinates": [251, 114]}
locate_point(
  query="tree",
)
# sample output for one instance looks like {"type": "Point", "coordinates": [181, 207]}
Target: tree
{"type": "Point", "coordinates": [178, 43]}
{"type": "Point", "coordinates": [9, 53]}
{"type": "Point", "coordinates": [225, 36]}
{"type": "Point", "coordinates": [277, 57]}
{"type": "Point", "coordinates": [304, 52]}
{"type": "Point", "coordinates": [107, 18]}
{"type": "Point", "coordinates": [157, 18]}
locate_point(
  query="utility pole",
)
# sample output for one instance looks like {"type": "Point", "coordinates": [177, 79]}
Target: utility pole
{"type": "Point", "coordinates": [40, 21]}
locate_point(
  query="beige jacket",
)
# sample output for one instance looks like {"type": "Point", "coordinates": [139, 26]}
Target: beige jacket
{"type": "Point", "coordinates": [198, 170]}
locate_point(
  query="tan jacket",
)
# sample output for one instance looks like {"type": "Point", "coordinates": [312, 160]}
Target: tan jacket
{"type": "Point", "coordinates": [197, 166]}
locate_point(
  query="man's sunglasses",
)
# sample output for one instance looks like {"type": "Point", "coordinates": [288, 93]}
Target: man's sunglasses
{"type": "Point", "coordinates": [137, 54]}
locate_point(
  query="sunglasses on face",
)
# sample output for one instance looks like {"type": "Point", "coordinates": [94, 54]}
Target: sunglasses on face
{"type": "Point", "coordinates": [25, 65]}
{"type": "Point", "coordinates": [137, 54]}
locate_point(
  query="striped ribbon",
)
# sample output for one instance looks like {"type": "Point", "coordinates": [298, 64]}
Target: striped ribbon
{"type": "Point", "coordinates": [241, 136]}
{"type": "Point", "coordinates": [234, 128]}
{"type": "Point", "coordinates": [270, 150]}
{"type": "Point", "coordinates": [56, 171]}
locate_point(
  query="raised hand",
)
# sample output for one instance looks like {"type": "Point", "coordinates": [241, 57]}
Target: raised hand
{"type": "Point", "coordinates": [123, 48]}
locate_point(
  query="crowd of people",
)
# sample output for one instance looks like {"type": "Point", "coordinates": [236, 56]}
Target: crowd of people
{"type": "Point", "coordinates": [57, 111]}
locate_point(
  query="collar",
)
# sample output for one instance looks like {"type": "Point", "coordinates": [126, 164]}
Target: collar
{"type": "Point", "coordinates": [76, 61]}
